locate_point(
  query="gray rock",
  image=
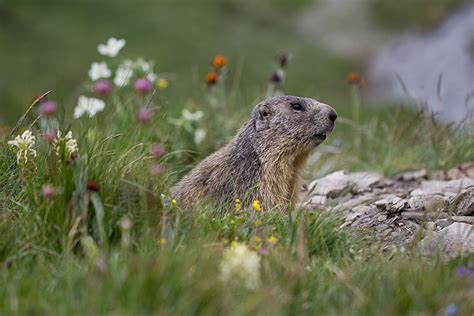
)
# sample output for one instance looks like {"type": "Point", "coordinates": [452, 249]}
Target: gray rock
{"type": "Point", "coordinates": [413, 175]}
{"type": "Point", "coordinates": [463, 203]}
{"type": "Point", "coordinates": [455, 240]}
{"type": "Point", "coordinates": [391, 204]}
{"type": "Point", "coordinates": [432, 203]}
{"type": "Point", "coordinates": [446, 188]}
{"type": "Point", "coordinates": [331, 185]}
{"type": "Point", "coordinates": [364, 181]}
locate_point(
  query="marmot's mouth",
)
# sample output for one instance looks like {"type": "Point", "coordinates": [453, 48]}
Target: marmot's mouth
{"type": "Point", "coordinates": [320, 137]}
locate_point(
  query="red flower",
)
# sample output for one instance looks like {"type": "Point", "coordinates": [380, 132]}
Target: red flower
{"type": "Point", "coordinates": [353, 79]}
{"type": "Point", "coordinates": [92, 186]}
{"type": "Point", "coordinates": [219, 61]}
{"type": "Point", "coordinates": [211, 78]}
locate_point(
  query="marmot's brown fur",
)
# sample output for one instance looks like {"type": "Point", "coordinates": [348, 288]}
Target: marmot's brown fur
{"type": "Point", "coordinates": [266, 158]}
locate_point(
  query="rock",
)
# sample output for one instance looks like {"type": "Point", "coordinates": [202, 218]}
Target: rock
{"type": "Point", "coordinates": [364, 181]}
{"type": "Point", "coordinates": [431, 203]}
{"type": "Point", "coordinates": [446, 188]}
{"type": "Point", "coordinates": [463, 219]}
{"type": "Point", "coordinates": [465, 170]}
{"type": "Point", "coordinates": [364, 199]}
{"type": "Point", "coordinates": [331, 185]}
{"type": "Point", "coordinates": [413, 175]}
{"type": "Point", "coordinates": [463, 203]}
{"type": "Point", "coordinates": [391, 204]}
{"type": "Point", "coordinates": [455, 240]}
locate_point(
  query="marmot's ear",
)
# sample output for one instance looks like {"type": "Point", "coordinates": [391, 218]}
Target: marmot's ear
{"type": "Point", "coordinates": [263, 116]}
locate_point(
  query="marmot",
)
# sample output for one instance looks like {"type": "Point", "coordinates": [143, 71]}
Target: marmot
{"type": "Point", "coordinates": [266, 158]}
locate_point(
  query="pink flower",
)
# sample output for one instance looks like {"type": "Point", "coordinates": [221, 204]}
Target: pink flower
{"type": "Point", "coordinates": [48, 108]}
{"type": "Point", "coordinates": [48, 192]}
{"type": "Point", "coordinates": [50, 135]}
{"type": "Point", "coordinates": [142, 86]}
{"type": "Point", "coordinates": [144, 115]}
{"type": "Point", "coordinates": [156, 170]}
{"type": "Point", "coordinates": [157, 150]}
{"type": "Point", "coordinates": [102, 87]}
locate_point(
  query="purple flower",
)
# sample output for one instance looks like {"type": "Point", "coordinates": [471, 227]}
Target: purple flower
{"type": "Point", "coordinates": [144, 115]}
{"type": "Point", "coordinates": [48, 108]}
{"type": "Point", "coordinates": [451, 310]}
{"type": "Point", "coordinates": [263, 252]}
{"type": "Point", "coordinates": [465, 272]}
{"type": "Point", "coordinates": [283, 59]}
{"type": "Point", "coordinates": [157, 150]}
{"type": "Point", "coordinates": [102, 87]}
{"type": "Point", "coordinates": [142, 85]}
{"type": "Point", "coordinates": [48, 192]}
{"type": "Point", "coordinates": [156, 170]}
{"type": "Point", "coordinates": [50, 136]}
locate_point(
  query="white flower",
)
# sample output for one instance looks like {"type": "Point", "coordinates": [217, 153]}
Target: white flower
{"type": "Point", "coordinates": [241, 262]}
{"type": "Point", "coordinates": [88, 105]}
{"type": "Point", "coordinates": [144, 65]}
{"type": "Point", "coordinates": [151, 77]}
{"type": "Point", "coordinates": [199, 135]}
{"type": "Point", "coordinates": [112, 48]}
{"type": "Point", "coordinates": [67, 142]}
{"type": "Point", "coordinates": [124, 73]}
{"type": "Point", "coordinates": [99, 70]}
{"type": "Point", "coordinates": [192, 116]}
{"type": "Point", "coordinates": [23, 147]}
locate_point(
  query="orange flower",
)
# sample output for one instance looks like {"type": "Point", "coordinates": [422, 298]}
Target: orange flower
{"type": "Point", "coordinates": [211, 78]}
{"type": "Point", "coordinates": [219, 61]}
{"type": "Point", "coordinates": [353, 78]}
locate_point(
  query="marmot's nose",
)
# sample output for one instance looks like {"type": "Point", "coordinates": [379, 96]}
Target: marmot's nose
{"type": "Point", "coordinates": [332, 116]}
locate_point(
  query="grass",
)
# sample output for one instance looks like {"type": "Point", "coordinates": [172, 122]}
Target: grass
{"type": "Point", "coordinates": [72, 255]}
{"type": "Point", "coordinates": [77, 254]}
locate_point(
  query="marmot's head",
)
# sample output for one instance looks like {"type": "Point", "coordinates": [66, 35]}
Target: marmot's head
{"type": "Point", "coordinates": [295, 122]}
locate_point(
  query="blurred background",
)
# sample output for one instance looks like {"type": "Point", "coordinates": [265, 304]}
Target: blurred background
{"type": "Point", "coordinates": [428, 45]}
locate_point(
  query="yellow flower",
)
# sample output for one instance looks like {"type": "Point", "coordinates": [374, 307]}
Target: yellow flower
{"type": "Point", "coordinates": [237, 201]}
{"type": "Point", "coordinates": [162, 83]}
{"type": "Point", "coordinates": [257, 223]}
{"type": "Point", "coordinates": [258, 239]}
{"type": "Point", "coordinates": [272, 240]}
{"type": "Point", "coordinates": [256, 206]}
{"type": "Point", "coordinates": [233, 244]}
{"type": "Point", "coordinates": [173, 202]}
{"type": "Point", "coordinates": [161, 242]}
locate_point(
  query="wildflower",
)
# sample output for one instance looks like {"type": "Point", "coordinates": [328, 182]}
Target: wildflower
{"type": "Point", "coordinates": [123, 74]}
{"type": "Point", "coordinates": [48, 192]}
{"type": "Point", "coordinates": [257, 223]}
{"type": "Point", "coordinates": [451, 310]}
{"type": "Point", "coordinates": [258, 239]}
{"type": "Point", "coordinates": [88, 105]}
{"type": "Point", "coordinates": [112, 48]}
{"type": "Point", "coordinates": [50, 135]}
{"type": "Point", "coordinates": [256, 206]}
{"type": "Point", "coordinates": [23, 147]}
{"type": "Point", "coordinates": [156, 170]}
{"type": "Point", "coordinates": [102, 87]}
{"type": "Point", "coordinates": [353, 79]}
{"type": "Point", "coordinates": [142, 85]}
{"type": "Point", "coordinates": [465, 272]}
{"type": "Point", "coordinates": [144, 115]}
{"type": "Point", "coordinates": [192, 116]}
{"type": "Point", "coordinates": [283, 59]}
{"type": "Point", "coordinates": [126, 224]}
{"type": "Point", "coordinates": [65, 145]}
{"type": "Point", "coordinates": [263, 252]}
{"type": "Point", "coordinates": [92, 186]}
{"type": "Point", "coordinates": [161, 242]}
{"type": "Point", "coordinates": [219, 61]}
{"type": "Point", "coordinates": [144, 65]}
{"type": "Point", "coordinates": [199, 135]}
{"type": "Point", "coordinates": [237, 205]}
{"type": "Point", "coordinates": [173, 202]}
{"type": "Point", "coordinates": [157, 150]}
{"type": "Point", "coordinates": [151, 77]}
{"type": "Point", "coordinates": [48, 108]}
{"type": "Point", "coordinates": [99, 71]}
{"type": "Point", "coordinates": [272, 240]}
{"type": "Point", "coordinates": [211, 78]}
{"type": "Point", "coordinates": [242, 263]}
{"type": "Point", "coordinates": [162, 83]}
{"type": "Point", "coordinates": [277, 77]}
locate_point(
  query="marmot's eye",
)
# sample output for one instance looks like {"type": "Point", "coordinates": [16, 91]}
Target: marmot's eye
{"type": "Point", "coordinates": [297, 107]}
